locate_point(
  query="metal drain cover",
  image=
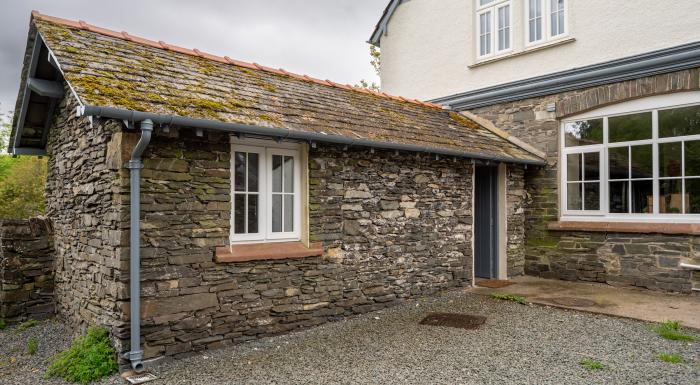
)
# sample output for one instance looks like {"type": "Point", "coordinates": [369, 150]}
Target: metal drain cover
{"type": "Point", "coordinates": [453, 320]}
{"type": "Point", "coordinates": [573, 302]}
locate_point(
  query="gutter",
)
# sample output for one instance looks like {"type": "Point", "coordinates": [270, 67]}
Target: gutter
{"type": "Point", "coordinates": [134, 165]}
{"type": "Point", "coordinates": [283, 133]}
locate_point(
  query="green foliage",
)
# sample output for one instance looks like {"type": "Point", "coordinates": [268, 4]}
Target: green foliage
{"type": "Point", "coordinates": [375, 56]}
{"type": "Point", "coordinates": [32, 346]}
{"type": "Point", "coordinates": [89, 358]}
{"type": "Point", "coordinates": [591, 364]}
{"type": "Point", "coordinates": [3, 325]}
{"type": "Point", "coordinates": [26, 325]}
{"type": "Point", "coordinates": [5, 129]}
{"type": "Point", "coordinates": [22, 183]}
{"type": "Point", "coordinates": [670, 358]}
{"type": "Point", "coordinates": [671, 330]}
{"type": "Point", "coordinates": [509, 297]}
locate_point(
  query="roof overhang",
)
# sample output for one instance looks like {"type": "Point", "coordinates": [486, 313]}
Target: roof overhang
{"type": "Point", "coordinates": [633, 67]}
{"type": "Point", "coordinates": [40, 92]}
{"type": "Point", "coordinates": [381, 28]}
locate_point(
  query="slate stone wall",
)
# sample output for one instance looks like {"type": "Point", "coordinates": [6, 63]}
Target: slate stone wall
{"type": "Point", "coordinates": [393, 226]}
{"type": "Point", "coordinates": [26, 270]}
{"type": "Point", "coordinates": [82, 206]}
{"type": "Point", "coordinates": [548, 253]}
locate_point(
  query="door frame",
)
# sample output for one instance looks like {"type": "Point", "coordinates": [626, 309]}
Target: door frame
{"type": "Point", "coordinates": [502, 242]}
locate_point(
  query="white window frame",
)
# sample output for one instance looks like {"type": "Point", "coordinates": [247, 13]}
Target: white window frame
{"type": "Point", "coordinates": [651, 104]}
{"type": "Point", "coordinates": [493, 8]}
{"type": "Point", "coordinates": [546, 6]}
{"type": "Point", "coordinates": [266, 149]}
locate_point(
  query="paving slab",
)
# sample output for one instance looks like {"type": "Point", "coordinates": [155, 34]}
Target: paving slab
{"type": "Point", "coordinates": [600, 298]}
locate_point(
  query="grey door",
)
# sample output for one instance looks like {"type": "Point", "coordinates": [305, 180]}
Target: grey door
{"type": "Point", "coordinates": [486, 222]}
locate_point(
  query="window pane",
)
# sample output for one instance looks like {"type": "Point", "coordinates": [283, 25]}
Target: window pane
{"type": "Point", "coordinates": [592, 166]}
{"type": "Point", "coordinates": [670, 159]}
{"type": "Point", "coordinates": [618, 197]}
{"type": "Point", "coordinates": [288, 213]}
{"type": "Point", "coordinates": [239, 171]}
{"type": "Point", "coordinates": [583, 133]}
{"type": "Point", "coordinates": [504, 28]}
{"type": "Point", "coordinates": [692, 196]}
{"type": "Point", "coordinates": [277, 173]}
{"type": "Point", "coordinates": [239, 214]}
{"type": "Point", "coordinates": [692, 158]}
{"type": "Point", "coordinates": [484, 2]}
{"type": "Point", "coordinates": [573, 167]}
{"type": "Point", "coordinates": [591, 193]}
{"type": "Point", "coordinates": [253, 170]}
{"type": "Point", "coordinates": [618, 162]}
{"type": "Point", "coordinates": [288, 174]}
{"type": "Point", "coordinates": [670, 196]}
{"type": "Point", "coordinates": [679, 121]}
{"type": "Point", "coordinates": [562, 23]}
{"type": "Point", "coordinates": [642, 161]}
{"type": "Point", "coordinates": [629, 127]}
{"type": "Point", "coordinates": [642, 196]}
{"type": "Point", "coordinates": [276, 213]}
{"type": "Point", "coordinates": [573, 196]}
{"type": "Point", "coordinates": [253, 213]}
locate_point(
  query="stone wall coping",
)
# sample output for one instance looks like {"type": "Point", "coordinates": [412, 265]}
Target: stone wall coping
{"type": "Point", "coordinates": [263, 251]}
{"type": "Point", "coordinates": [626, 227]}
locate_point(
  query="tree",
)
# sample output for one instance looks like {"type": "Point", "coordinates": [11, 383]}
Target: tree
{"type": "Point", "coordinates": [5, 129]}
{"type": "Point", "coordinates": [375, 56]}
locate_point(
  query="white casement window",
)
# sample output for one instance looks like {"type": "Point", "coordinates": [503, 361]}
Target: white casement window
{"type": "Point", "coordinates": [546, 20]}
{"type": "Point", "coordinates": [494, 27]}
{"type": "Point", "coordinates": [634, 161]}
{"type": "Point", "coordinates": [265, 191]}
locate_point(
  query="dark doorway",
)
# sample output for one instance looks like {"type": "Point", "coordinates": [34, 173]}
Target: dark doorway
{"type": "Point", "coordinates": [486, 222]}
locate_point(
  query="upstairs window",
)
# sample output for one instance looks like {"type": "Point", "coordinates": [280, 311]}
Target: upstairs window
{"type": "Point", "coordinates": [637, 164]}
{"type": "Point", "coordinates": [494, 28]}
{"type": "Point", "coordinates": [265, 192]}
{"type": "Point", "coordinates": [546, 20]}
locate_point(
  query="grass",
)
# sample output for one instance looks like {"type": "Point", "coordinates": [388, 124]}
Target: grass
{"type": "Point", "coordinates": [509, 297]}
{"type": "Point", "coordinates": [89, 358]}
{"type": "Point", "coordinates": [670, 358]}
{"type": "Point", "coordinates": [32, 346]}
{"type": "Point", "coordinates": [671, 330]}
{"type": "Point", "coordinates": [26, 325]}
{"type": "Point", "coordinates": [591, 364]}
{"type": "Point", "coordinates": [3, 325]}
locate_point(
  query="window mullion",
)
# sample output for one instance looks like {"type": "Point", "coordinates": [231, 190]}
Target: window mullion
{"type": "Point", "coordinates": [655, 161]}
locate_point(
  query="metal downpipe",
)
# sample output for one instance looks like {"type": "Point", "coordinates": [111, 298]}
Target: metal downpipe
{"type": "Point", "coordinates": [135, 356]}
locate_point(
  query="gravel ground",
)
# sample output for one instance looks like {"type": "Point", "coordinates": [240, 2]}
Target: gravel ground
{"type": "Point", "coordinates": [519, 344]}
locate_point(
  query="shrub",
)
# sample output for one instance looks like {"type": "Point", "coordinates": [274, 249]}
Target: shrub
{"type": "Point", "coordinates": [89, 358]}
{"type": "Point", "coordinates": [3, 325]}
{"type": "Point", "coordinates": [509, 297]}
{"type": "Point", "coordinates": [22, 183]}
{"type": "Point", "coordinates": [671, 330]}
{"type": "Point", "coordinates": [32, 346]}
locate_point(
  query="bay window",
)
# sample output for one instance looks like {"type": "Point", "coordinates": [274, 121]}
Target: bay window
{"type": "Point", "coordinates": [644, 163]}
{"type": "Point", "coordinates": [546, 20]}
{"type": "Point", "coordinates": [265, 191]}
{"type": "Point", "coordinates": [494, 27]}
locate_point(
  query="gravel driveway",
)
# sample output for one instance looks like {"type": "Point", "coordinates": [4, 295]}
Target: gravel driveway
{"type": "Point", "coordinates": [519, 344]}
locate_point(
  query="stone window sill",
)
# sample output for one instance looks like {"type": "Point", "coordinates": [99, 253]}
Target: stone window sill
{"type": "Point", "coordinates": [266, 251]}
{"type": "Point", "coordinates": [524, 51]}
{"type": "Point", "coordinates": [627, 227]}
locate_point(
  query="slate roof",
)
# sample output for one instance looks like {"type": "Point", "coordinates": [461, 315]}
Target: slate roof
{"type": "Point", "coordinates": [114, 69]}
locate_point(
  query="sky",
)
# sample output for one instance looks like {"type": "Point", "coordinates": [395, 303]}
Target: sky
{"type": "Point", "coordinates": [321, 38]}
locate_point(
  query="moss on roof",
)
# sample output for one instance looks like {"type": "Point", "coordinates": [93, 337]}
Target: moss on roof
{"type": "Point", "coordinates": [112, 72]}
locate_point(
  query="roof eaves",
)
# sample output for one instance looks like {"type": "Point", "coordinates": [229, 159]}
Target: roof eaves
{"type": "Point", "coordinates": [381, 26]}
{"type": "Point", "coordinates": [488, 125]}
{"type": "Point", "coordinates": [285, 133]}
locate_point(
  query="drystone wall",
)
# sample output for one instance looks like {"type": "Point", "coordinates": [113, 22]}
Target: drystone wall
{"type": "Point", "coordinates": [393, 226]}
{"type": "Point", "coordinates": [26, 270]}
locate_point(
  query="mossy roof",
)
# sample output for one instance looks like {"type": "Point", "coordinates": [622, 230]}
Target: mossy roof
{"type": "Point", "coordinates": [114, 69]}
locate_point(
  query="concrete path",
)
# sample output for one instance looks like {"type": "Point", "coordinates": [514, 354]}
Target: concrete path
{"type": "Point", "coordinates": [639, 304]}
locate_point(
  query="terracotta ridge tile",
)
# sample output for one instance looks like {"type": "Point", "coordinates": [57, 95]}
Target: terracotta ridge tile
{"type": "Point", "coordinates": [225, 59]}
